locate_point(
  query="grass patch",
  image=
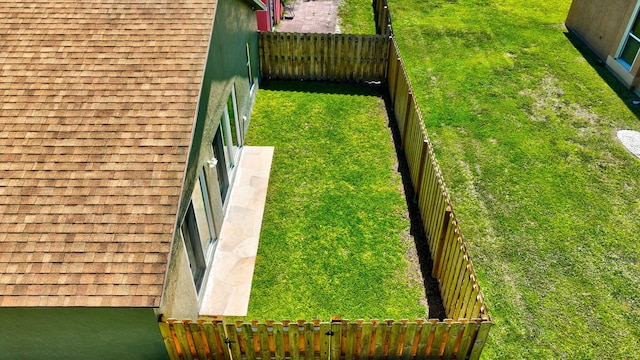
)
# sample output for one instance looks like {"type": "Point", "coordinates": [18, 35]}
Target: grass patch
{"type": "Point", "coordinates": [335, 231]}
{"type": "Point", "coordinates": [524, 128]}
{"type": "Point", "coordinates": [356, 17]}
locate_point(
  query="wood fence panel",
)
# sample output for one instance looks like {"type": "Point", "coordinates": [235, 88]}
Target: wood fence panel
{"type": "Point", "coordinates": [334, 57]}
{"type": "Point", "coordinates": [335, 340]}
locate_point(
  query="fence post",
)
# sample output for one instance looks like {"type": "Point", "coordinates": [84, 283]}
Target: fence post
{"type": "Point", "coordinates": [406, 117]}
{"type": "Point", "coordinates": [423, 158]}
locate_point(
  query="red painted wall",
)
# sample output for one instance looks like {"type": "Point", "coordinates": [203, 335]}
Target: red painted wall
{"type": "Point", "coordinates": [263, 18]}
{"type": "Point", "coordinates": [270, 17]}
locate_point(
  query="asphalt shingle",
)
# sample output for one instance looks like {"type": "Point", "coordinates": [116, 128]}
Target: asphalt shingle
{"type": "Point", "coordinates": [97, 103]}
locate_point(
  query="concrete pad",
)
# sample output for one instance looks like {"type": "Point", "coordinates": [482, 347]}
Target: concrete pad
{"type": "Point", "coordinates": [312, 16]}
{"type": "Point", "coordinates": [228, 285]}
{"type": "Point", "coordinates": [631, 140]}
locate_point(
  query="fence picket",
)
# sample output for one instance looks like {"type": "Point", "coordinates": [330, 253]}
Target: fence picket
{"type": "Point", "coordinates": [168, 339]}
{"type": "Point", "coordinates": [336, 340]}
{"type": "Point", "coordinates": [183, 340]}
{"type": "Point", "coordinates": [467, 337]}
{"type": "Point", "coordinates": [423, 341]}
{"type": "Point", "coordinates": [198, 342]}
{"type": "Point", "coordinates": [452, 339]}
{"type": "Point", "coordinates": [437, 345]}
{"type": "Point", "coordinates": [409, 341]}
{"type": "Point", "coordinates": [394, 341]}
{"type": "Point", "coordinates": [481, 338]}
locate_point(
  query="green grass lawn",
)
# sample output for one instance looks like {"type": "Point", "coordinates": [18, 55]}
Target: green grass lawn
{"type": "Point", "coordinates": [356, 17]}
{"type": "Point", "coordinates": [335, 231]}
{"type": "Point", "coordinates": [524, 126]}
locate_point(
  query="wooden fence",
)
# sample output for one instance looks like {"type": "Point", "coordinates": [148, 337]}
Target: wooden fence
{"type": "Point", "coordinates": [358, 58]}
{"type": "Point", "coordinates": [332, 57]}
{"type": "Point", "coordinates": [316, 340]}
{"type": "Point", "coordinates": [382, 17]}
{"type": "Point", "coordinates": [452, 267]}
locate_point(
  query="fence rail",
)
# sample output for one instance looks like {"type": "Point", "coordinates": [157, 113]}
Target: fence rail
{"type": "Point", "coordinates": [316, 340]}
{"type": "Point", "coordinates": [333, 57]}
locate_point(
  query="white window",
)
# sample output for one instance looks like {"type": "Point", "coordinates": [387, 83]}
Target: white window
{"type": "Point", "coordinates": [249, 72]}
{"type": "Point", "coordinates": [631, 44]}
{"type": "Point", "coordinates": [197, 230]}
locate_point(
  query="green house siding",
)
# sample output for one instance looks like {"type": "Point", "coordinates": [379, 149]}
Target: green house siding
{"type": "Point", "coordinates": [80, 333]}
{"type": "Point", "coordinates": [234, 29]}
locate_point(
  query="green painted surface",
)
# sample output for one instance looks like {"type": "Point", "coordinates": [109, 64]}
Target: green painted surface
{"type": "Point", "coordinates": [234, 28]}
{"type": "Point", "coordinates": [80, 333]}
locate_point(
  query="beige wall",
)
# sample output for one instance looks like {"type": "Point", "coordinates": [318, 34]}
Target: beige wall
{"type": "Point", "coordinates": [600, 24]}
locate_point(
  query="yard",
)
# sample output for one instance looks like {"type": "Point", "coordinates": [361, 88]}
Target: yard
{"type": "Point", "coordinates": [335, 236]}
{"type": "Point", "coordinates": [523, 121]}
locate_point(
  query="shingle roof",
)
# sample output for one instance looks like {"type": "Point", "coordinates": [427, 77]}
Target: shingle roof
{"type": "Point", "coordinates": [97, 103]}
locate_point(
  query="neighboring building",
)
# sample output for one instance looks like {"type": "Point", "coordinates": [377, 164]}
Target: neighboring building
{"type": "Point", "coordinates": [112, 117]}
{"type": "Point", "coordinates": [612, 30]}
{"type": "Point", "coordinates": [271, 16]}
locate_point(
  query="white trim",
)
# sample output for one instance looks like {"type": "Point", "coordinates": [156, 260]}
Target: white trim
{"type": "Point", "coordinates": [625, 36]}
{"type": "Point", "coordinates": [621, 72]}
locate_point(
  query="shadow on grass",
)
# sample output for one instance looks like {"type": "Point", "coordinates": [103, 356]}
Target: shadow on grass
{"type": "Point", "coordinates": [600, 67]}
{"type": "Point", "coordinates": [432, 292]}
{"type": "Point", "coordinates": [320, 87]}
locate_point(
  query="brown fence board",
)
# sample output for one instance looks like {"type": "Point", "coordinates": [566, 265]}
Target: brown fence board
{"type": "Point", "coordinates": [335, 57]}
{"type": "Point", "coordinates": [336, 340]}
{"type": "Point", "coordinates": [458, 283]}
{"type": "Point", "coordinates": [452, 340]}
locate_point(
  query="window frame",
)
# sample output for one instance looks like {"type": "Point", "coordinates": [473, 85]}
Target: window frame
{"type": "Point", "coordinates": [249, 70]}
{"type": "Point", "coordinates": [635, 18]}
{"type": "Point", "coordinates": [199, 251]}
